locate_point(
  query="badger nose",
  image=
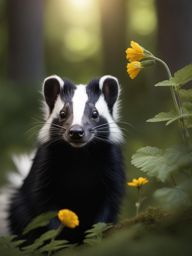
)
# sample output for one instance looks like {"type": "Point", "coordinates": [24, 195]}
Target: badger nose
{"type": "Point", "coordinates": [76, 132]}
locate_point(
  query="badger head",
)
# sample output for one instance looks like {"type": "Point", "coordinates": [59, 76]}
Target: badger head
{"type": "Point", "coordinates": [81, 114]}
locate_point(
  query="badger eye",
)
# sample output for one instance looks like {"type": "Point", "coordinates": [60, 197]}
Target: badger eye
{"type": "Point", "coordinates": [95, 114]}
{"type": "Point", "coordinates": [62, 114]}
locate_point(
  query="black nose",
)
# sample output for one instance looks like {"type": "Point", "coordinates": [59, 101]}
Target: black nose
{"type": "Point", "coordinates": [76, 132]}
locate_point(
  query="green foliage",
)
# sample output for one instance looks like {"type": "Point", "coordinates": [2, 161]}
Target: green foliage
{"type": "Point", "coordinates": [175, 160]}
{"type": "Point", "coordinates": [172, 198]}
{"type": "Point", "coordinates": [40, 221]}
{"type": "Point", "coordinates": [183, 75]}
{"type": "Point", "coordinates": [185, 94]}
{"type": "Point", "coordinates": [95, 234]}
{"type": "Point", "coordinates": [170, 82]}
{"type": "Point", "coordinates": [180, 77]}
{"type": "Point", "coordinates": [40, 241]}
{"type": "Point", "coordinates": [47, 242]}
{"type": "Point", "coordinates": [161, 164]}
{"type": "Point", "coordinates": [163, 117]}
{"type": "Point", "coordinates": [10, 246]}
{"type": "Point", "coordinates": [56, 245]}
{"type": "Point", "coordinates": [168, 117]}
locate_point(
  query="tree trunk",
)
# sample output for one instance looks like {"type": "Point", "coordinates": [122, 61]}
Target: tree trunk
{"type": "Point", "coordinates": [25, 40]}
{"type": "Point", "coordinates": [113, 30]}
{"type": "Point", "coordinates": [174, 33]}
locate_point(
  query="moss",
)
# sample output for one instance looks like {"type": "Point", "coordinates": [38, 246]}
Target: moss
{"type": "Point", "coordinates": [152, 218]}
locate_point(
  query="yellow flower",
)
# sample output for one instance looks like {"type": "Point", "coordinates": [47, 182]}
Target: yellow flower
{"type": "Point", "coordinates": [138, 182]}
{"type": "Point", "coordinates": [135, 53]}
{"type": "Point", "coordinates": [134, 68]}
{"type": "Point", "coordinates": [68, 218]}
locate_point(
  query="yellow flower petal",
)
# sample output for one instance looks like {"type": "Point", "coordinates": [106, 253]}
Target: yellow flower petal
{"type": "Point", "coordinates": [135, 53]}
{"type": "Point", "coordinates": [132, 184]}
{"type": "Point", "coordinates": [134, 68]}
{"type": "Point", "coordinates": [68, 218]}
{"type": "Point", "coordinates": [138, 182]}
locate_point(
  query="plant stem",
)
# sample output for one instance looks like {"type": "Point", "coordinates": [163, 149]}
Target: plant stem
{"type": "Point", "coordinates": [177, 102]}
{"type": "Point", "coordinates": [138, 203]}
{"type": "Point", "coordinates": [60, 229]}
{"type": "Point", "coordinates": [173, 180]}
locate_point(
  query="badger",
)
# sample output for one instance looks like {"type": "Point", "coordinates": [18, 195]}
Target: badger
{"type": "Point", "coordinates": [78, 164]}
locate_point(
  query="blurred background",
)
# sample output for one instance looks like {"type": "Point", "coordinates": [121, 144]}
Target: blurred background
{"type": "Point", "coordinates": [82, 40]}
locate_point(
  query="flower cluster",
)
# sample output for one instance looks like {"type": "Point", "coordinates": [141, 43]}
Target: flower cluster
{"type": "Point", "coordinates": [138, 182]}
{"type": "Point", "coordinates": [68, 218]}
{"type": "Point", "coordinates": [134, 55]}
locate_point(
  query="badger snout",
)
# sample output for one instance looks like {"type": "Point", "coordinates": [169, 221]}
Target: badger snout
{"type": "Point", "coordinates": [77, 136]}
{"type": "Point", "coordinates": [76, 132]}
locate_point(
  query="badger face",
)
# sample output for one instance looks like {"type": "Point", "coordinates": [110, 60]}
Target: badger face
{"type": "Point", "coordinates": [81, 114]}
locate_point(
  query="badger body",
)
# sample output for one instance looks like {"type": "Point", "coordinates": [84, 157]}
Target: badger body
{"type": "Point", "coordinates": [78, 164]}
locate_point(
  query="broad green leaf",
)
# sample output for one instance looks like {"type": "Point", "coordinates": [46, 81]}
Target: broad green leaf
{"type": "Point", "coordinates": [160, 164]}
{"type": "Point", "coordinates": [162, 117]}
{"type": "Point", "coordinates": [183, 75]}
{"type": "Point", "coordinates": [170, 82]}
{"type": "Point", "coordinates": [172, 198]}
{"type": "Point", "coordinates": [40, 221]}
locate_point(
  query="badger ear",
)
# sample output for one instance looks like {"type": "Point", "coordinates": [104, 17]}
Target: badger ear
{"type": "Point", "coordinates": [110, 88]}
{"type": "Point", "coordinates": [51, 89]}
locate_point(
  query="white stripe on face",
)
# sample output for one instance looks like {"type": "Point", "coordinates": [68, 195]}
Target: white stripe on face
{"type": "Point", "coordinates": [44, 135]}
{"type": "Point", "coordinates": [79, 100]}
{"type": "Point", "coordinates": [115, 132]}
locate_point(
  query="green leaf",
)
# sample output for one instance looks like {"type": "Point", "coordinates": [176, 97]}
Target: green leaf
{"type": "Point", "coordinates": [95, 234]}
{"type": "Point", "coordinates": [180, 77]}
{"type": "Point", "coordinates": [162, 117]}
{"type": "Point", "coordinates": [172, 198]}
{"type": "Point", "coordinates": [8, 246]}
{"type": "Point", "coordinates": [178, 117]}
{"type": "Point", "coordinates": [98, 228]}
{"type": "Point", "coordinates": [185, 94]}
{"type": "Point", "coordinates": [56, 245]}
{"type": "Point", "coordinates": [40, 221]}
{"type": "Point", "coordinates": [161, 164]}
{"type": "Point", "coordinates": [168, 117]}
{"type": "Point", "coordinates": [183, 75]}
{"type": "Point", "coordinates": [40, 241]}
{"type": "Point", "coordinates": [17, 243]}
{"type": "Point", "coordinates": [170, 82]}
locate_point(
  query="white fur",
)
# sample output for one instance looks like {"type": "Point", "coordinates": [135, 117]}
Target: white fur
{"type": "Point", "coordinates": [5, 194]}
{"type": "Point", "coordinates": [45, 108]}
{"type": "Point", "coordinates": [15, 179]}
{"type": "Point", "coordinates": [79, 100]}
{"type": "Point", "coordinates": [44, 132]}
{"type": "Point", "coordinates": [23, 164]}
{"type": "Point", "coordinates": [58, 78]}
{"type": "Point", "coordinates": [115, 132]}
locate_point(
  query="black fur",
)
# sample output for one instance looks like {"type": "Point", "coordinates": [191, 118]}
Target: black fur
{"type": "Point", "coordinates": [89, 181]}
